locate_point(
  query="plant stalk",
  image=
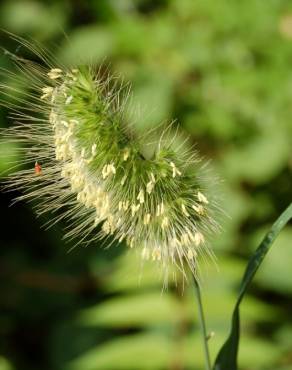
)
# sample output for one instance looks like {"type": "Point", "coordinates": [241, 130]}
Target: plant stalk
{"type": "Point", "coordinates": [202, 323]}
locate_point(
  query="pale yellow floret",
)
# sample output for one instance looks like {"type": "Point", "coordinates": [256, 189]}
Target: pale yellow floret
{"type": "Point", "coordinates": [53, 118]}
{"type": "Point", "coordinates": [150, 187]}
{"type": "Point", "coordinates": [55, 73]}
{"type": "Point", "coordinates": [192, 254]}
{"type": "Point", "coordinates": [113, 169]}
{"type": "Point", "coordinates": [175, 242]}
{"type": "Point", "coordinates": [185, 239]}
{"type": "Point", "coordinates": [191, 235]}
{"type": "Point", "coordinates": [198, 238]}
{"type": "Point", "coordinates": [62, 152]}
{"type": "Point", "coordinates": [131, 242]}
{"type": "Point", "coordinates": [175, 170]}
{"type": "Point", "coordinates": [106, 227]}
{"type": "Point", "coordinates": [74, 121]}
{"type": "Point", "coordinates": [107, 170]}
{"type": "Point", "coordinates": [83, 150]}
{"type": "Point", "coordinates": [185, 212]}
{"type": "Point", "coordinates": [202, 198]}
{"type": "Point", "coordinates": [126, 154]}
{"type": "Point", "coordinates": [93, 149]}
{"type": "Point", "coordinates": [165, 222]}
{"type": "Point", "coordinates": [47, 92]}
{"type": "Point", "coordinates": [123, 180]}
{"type": "Point", "coordinates": [65, 123]}
{"type": "Point", "coordinates": [76, 180]}
{"type": "Point", "coordinates": [68, 99]}
{"type": "Point", "coordinates": [96, 221]}
{"type": "Point", "coordinates": [145, 253]}
{"type": "Point", "coordinates": [122, 237]}
{"type": "Point", "coordinates": [101, 204]}
{"type": "Point", "coordinates": [72, 74]}
{"type": "Point", "coordinates": [134, 208]}
{"type": "Point", "coordinates": [140, 196]}
{"type": "Point", "coordinates": [156, 254]}
{"type": "Point", "coordinates": [147, 218]}
{"type": "Point", "coordinates": [89, 195]}
{"type": "Point", "coordinates": [126, 205]}
{"type": "Point", "coordinates": [199, 209]}
{"type": "Point", "coordinates": [160, 209]}
{"type": "Point", "coordinates": [109, 226]}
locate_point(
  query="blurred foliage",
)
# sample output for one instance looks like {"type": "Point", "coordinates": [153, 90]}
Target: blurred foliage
{"type": "Point", "coordinates": [223, 69]}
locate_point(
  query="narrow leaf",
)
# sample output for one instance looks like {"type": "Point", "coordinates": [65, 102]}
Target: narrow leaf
{"type": "Point", "coordinates": [227, 356]}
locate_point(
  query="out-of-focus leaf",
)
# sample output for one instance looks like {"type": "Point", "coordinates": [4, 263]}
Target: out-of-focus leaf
{"type": "Point", "coordinates": [237, 206]}
{"type": "Point", "coordinates": [9, 160]}
{"type": "Point", "coordinates": [132, 311]}
{"type": "Point", "coordinates": [223, 277]}
{"type": "Point", "coordinates": [5, 364]}
{"type": "Point", "coordinates": [250, 162]}
{"type": "Point", "coordinates": [276, 271]}
{"type": "Point", "coordinates": [81, 340]}
{"type": "Point", "coordinates": [145, 351]}
{"type": "Point", "coordinates": [128, 35]}
{"type": "Point", "coordinates": [151, 100]}
{"type": "Point", "coordinates": [284, 337]}
{"type": "Point", "coordinates": [130, 275]}
{"type": "Point", "coordinates": [32, 17]}
{"type": "Point", "coordinates": [251, 353]}
{"type": "Point", "coordinates": [87, 45]}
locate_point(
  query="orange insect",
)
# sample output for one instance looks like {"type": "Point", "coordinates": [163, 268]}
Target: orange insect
{"type": "Point", "coordinates": [37, 168]}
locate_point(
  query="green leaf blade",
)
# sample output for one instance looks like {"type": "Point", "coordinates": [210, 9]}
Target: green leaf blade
{"type": "Point", "coordinates": [227, 356]}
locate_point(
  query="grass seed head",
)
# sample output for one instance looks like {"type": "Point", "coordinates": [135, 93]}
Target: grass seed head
{"type": "Point", "coordinates": [91, 170]}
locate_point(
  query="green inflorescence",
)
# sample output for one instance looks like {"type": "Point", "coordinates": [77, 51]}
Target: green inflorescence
{"type": "Point", "coordinates": [94, 170]}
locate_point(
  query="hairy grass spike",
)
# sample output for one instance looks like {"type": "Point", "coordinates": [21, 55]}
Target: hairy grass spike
{"type": "Point", "coordinates": [89, 167]}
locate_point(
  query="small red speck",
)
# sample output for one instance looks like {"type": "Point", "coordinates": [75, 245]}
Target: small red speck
{"type": "Point", "coordinates": [37, 168]}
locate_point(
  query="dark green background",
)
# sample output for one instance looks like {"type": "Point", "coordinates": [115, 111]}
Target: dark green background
{"type": "Point", "coordinates": [224, 70]}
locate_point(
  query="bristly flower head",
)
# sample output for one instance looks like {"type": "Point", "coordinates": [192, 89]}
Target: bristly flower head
{"type": "Point", "coordinates": [86, 162]}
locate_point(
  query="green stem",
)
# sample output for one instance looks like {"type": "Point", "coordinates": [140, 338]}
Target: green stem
{"type": "Point", "coordinates": [202, 323]}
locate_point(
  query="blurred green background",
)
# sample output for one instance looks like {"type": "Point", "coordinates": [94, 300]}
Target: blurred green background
{"type": "Point", "coordinates": [224, 70]}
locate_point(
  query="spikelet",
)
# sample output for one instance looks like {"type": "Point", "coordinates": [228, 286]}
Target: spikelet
{"type": "Point", "coordinates": [91, 170]}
